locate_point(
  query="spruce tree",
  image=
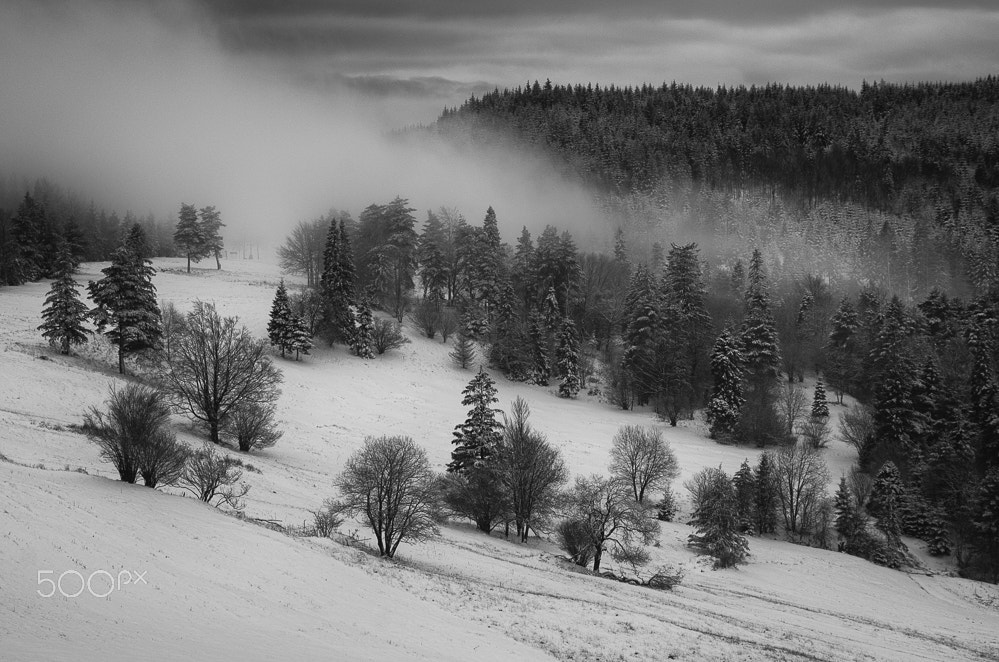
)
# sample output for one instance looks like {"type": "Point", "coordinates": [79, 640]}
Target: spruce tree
{"type": "Point", "coordinates": [540, 342]}
{"type": "Point", "coordinates": [479, 436]}
{"type": "Point", "coordinates": [463, 353]}
{"type": "Point", "coordinates": [337, 286]}
{"type": "Point", "coordinates": [281, 325]}
{"type": "Point", "coordinates": [362, 339]}
{"type": "Point", "coordinates": [189, 236]}
{"type": "Point", "coordinates": [848, 519]}
{"type": "Point", "coordinates": [64, 313]}
{"type": "Point", "coordinates": [745, 494]}
{"type": "Point", "coordinates": [125, 304]}
{"type": "Point", "coordinates": [726, 395]}
{"type": "Point", "coordinates": [762, 360]}
{"type": "Point", "coordinates": [886, 500]}
{"type": "Point", "coordinates": [550, 311]}
{"type": "Point", "coordinates": [567, 360]}
{"type": "Point", "coordinates": [301, 339]}
{"type": "Point", "coordinates": [210, 222]}
{"type": "Point", "coordinates": [820, 408]}
{"type": "Point", "coordinates": [717, 522]}
{"type": "Point", "coordinates": [685, 293]}
{"type": "Point", "coordinates": [767, 497]}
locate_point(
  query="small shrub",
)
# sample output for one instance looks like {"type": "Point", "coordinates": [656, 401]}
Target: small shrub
{"type": "Point", "coordinates": [252, 426]}
{"type": "Point", "coordinates": [162, 459]}
{"type": "Point", "coordinates": [665, 578]}
{"type": "Point", "coordinates": [447, 323]}
{"type": "Point", "coordinates": [574, 538]}
{"type": "Point", "coordinates": [667, 507]}
{"type": "Point", "coordinates": [211, 476]}
{"type": "Point", "coordinates": [327, 520]}
{"type": "Point", "coordinates": [426, 317]}
{"type": "Point", "coordinates": [386, 335]}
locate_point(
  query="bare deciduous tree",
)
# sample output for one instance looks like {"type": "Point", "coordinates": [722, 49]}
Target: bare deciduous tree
{"type": "Point", "coordinates": [792, 405]}
{"type": "Point", "coordinates": [801, 476]}
{"type": "Point", "coordinates": [133, 435]}
{"type": "Point", "coordinates": [252, 426]}
{"type": "Point", "coordinates": [211, 476]}
{"type": "Point", "coordinates": [643, 460]}
{"type": "Point", "coordinates": [217, 367]}
{"type": "Point", "coordinates": [530, 469]}
{"type": "Point", "coordinates": [302, 252]}
{"type": "Point", "coordinates": [612, 519]}
{"type": "Point", "coordinates": [856, 427]}
{"type": "Point", "coordinates": [390, 483]}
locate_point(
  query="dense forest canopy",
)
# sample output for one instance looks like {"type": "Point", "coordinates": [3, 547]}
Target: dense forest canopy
{"type": "Point", "coordinates": [810, 170]}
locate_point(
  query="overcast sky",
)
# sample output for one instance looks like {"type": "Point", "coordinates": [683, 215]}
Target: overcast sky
{"type": "Point", "coordinates": [276, 110]}
{"type": "Point", "coordinates": [447, 49]}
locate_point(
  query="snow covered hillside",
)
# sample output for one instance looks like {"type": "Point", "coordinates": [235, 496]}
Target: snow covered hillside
{"type": "Point", "coordinates": [215, 586]}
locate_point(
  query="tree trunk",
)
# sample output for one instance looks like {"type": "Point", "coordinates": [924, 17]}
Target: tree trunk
{"type": "Point", "coordinates": [188, 263]}
{"type": "Point", "coordinates": [213, 427]}
{"type": "Point", "coordinates": [65, 345]}
{"type": "Point", "coordinates": [218, 262]}
{"type": "Point", "coordinates": [121, 358]}
{"type": "Point", "coordinates": [597, 553]}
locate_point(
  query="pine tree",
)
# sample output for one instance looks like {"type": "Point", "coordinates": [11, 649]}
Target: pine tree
{"type": "Point", "coordinates": [761, 356]}
{"type": "Point", "coordinates": [479, 436]}
{"type": "Point", "coordinates": [766, 494]}
{"type": "Point", "coordinates": [550, 311]}
{"type": "Point", "coordinates": [848, 519]}
{"type": "Point", "coordinates": [362, 339]}
{"type": "Point", "coordinates": [64, 313]}
{"type": "Point", "coordinates": [745, 494]}
{"type": "Point", "coordinates": [463, 353]}
{"type": "Point", "coordinates": [521, 276]}
{"type": "Point", "coordinates": [189, 236]}
{"type": "Point", "coordinates": [336, 284]}
{"type": "Point", "coordinates": [717, 522]}
{"type": "Point", "coordinates": [301, 339]}
{"type": "Point", "coordinates": [540, 342]}
{"type": "Point", "coordinates": [567, 360]}
{"type": "Point", "coordinates": [685, 293]}
{"type": "Point", "coordinates": [126, 304]}
{"type": "Point", "coordinates": [29, 227]}
{"type": "Point", "coordinates": [886, 500]}
{"type": "Point", "coordinates": [281, 325]}
{"type": "Point", "coordinates": [726, 394]}
{"type": "Point", "coordinates": [210, 223]}
{"type": "Point", "coordinates": [820, 408]}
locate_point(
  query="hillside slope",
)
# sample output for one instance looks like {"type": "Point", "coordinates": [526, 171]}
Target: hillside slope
{"type": "Point", "coordinates": [219, 586]}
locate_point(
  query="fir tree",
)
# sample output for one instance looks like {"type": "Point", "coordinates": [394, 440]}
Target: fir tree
{"type": "Point", "coordinates": [463, 353]}
{"type": "Point", "coordinates": [189, 236]}
{"type": "Point", "coordinates": [362, 339]}
{"type": "Point", "coordinates": [281, 325]}
{"type": "Point", "coordinates": [726, 394]}
{"type": "Point", "coordinates": [848, 519]}
{"type": "Point", "coordinates": [820, 408]}
{"type": "Point", "coordinates": [761, 358]}
{"type": "Point", "coordinates": [479, 436]}
{"type": "Point", "coordinates": [767, 497]}
{"type": "Point", "coordinates": [64, 313]}
{"type": "Point", "coordinates": [523, 257]}
{"type": "Point", "coordinates": [301, 339]}
{"type": "Point", "coordinates": [567, 360]}
{"type": "Point", "coordinates": [886, 500]}
{"type": "Point", "coordinates": [550, 311]}
{"type": "Point", "coordinates": [684, 291]}
{"type": "Point", "coordinates": [540, 342]}
{"type": "Point", "coordinates": [717, 522]}
{"type": "Point", "coordinates": [745, 494]}
{"type": "Point", "coordinates": [210, 222]}
{"type": "Point", "coordinates": [125, 304]}
{"type": "Point", "coordinates": [336, 284]}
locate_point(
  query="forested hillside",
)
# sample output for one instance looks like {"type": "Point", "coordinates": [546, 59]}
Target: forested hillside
{"type": "Point", "coordinates": [896, 183]}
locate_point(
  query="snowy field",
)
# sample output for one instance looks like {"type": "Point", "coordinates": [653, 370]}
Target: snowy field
{"type": "Point", "coordinates": [216, 587]}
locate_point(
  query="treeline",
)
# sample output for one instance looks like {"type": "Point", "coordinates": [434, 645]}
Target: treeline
{"type": "Point", "coordinates": [815, 171]}
{"type": "Point", "coordinates": [36, 219]}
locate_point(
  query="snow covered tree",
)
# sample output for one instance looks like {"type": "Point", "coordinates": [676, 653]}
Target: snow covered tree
{"type": "Point", "coordinates": [210, 223]}
{"type": "Point", "coordinates": [684, 291]}
{"type": "Point", "coordinates": [550, 311]}
{"type": "Point", "coordinates": [125, 305]}
{"type": "Point", "coordinates": [849, 521]}
{"type": "Point", "coordinates": [476, 438]}
{"type": "Point", "coordinates": [885, 501]}
{"type": "Point", "coordinates": [761, 359]}
{"type": "Point", "coordinates": [540, 342]}
{"type": "Point", "coordinates": [726, 394]}
{"type": "Point", "coordinates": [363, 341]}
{"type": "Point", "coordinates": [189, 235]}
{"type": "Point", "coordinates": [337, 285]}
{"type": "Point", "coordinates": [64, 314]}
{"type": "Point", "coordinates": [567, 360]}
{"type": "Point", "coordinates": [767, 497]}
{"type": "Point", "coordinates": [281, 325]}
{"type": "Point", "coordinates": [301, 339]}
{"type": "Point", "coordinates": [717, 520]}
{"type": "Point", "coordinates": [745, 494]}
{"type": "Point", "coordinates": [820, 408]}
{"type": "Point", "coordinates": [643, 460]}
{"type": "Point", "coordinates": [463, 353]}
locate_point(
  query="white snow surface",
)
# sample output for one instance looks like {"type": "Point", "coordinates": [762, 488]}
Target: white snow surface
{"type": "Point", "coordinates": [218, 587]}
